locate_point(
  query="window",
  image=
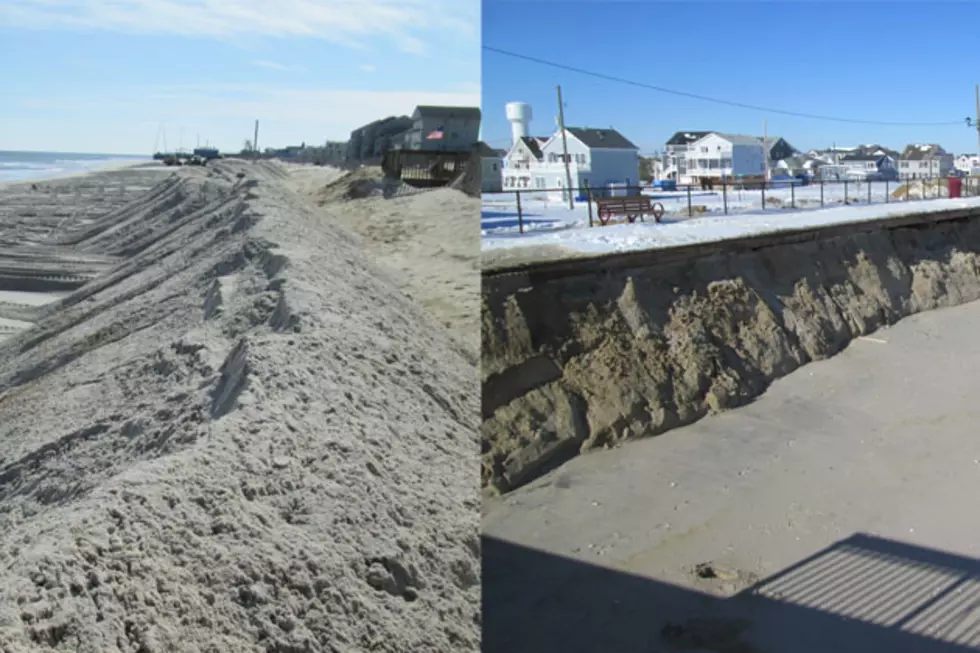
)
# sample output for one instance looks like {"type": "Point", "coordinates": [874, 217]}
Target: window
{"type": "Point", "coordinates": [704, 150]}
{"type": "Point", "coordinates": [495, 167]}
{"type": "Point", "coordinates": [726, 163]}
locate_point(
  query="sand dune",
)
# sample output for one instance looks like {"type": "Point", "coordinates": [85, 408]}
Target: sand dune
{"type": "Point", "coordinates": [236, 433]}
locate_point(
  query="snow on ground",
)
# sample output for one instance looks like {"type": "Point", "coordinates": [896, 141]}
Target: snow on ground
{"type": "Point", "coordinates": [555, 224]}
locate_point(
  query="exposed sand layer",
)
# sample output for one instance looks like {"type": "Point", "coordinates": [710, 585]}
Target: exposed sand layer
{"type": "Point", "coordinates": [427, 241]}
{"type": "Point", "coordinates": [585, 362]}
{"type": "Point", "coordinates": [240, 436]}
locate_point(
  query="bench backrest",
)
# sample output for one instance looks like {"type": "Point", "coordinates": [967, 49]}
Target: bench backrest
{"type": "Point", "coordinates": [624, 203]}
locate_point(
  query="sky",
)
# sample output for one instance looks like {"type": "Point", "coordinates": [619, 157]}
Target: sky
{"type": "Point", "coordinates": [898, 61]}
{"type": "Point", "coordinates": [123, 76]}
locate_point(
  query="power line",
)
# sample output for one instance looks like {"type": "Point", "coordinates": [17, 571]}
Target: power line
{"type": "Point", "coordinates": [705, 98]}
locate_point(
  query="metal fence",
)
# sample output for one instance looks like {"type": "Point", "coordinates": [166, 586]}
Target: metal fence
{"type": "Point", "coordinates": [733, 197]}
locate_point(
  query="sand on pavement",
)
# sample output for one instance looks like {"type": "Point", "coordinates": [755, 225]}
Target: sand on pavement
{"type": "Point", "coordinates": [879, 441]}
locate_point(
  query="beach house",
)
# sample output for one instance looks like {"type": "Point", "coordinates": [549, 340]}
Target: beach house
{"type": "Point", "coordinates": [718, 156]}
{"type": "Point", "coordinates": [924, 161]}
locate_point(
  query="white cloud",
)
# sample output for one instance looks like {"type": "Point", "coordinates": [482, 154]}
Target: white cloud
{"type": "Point", "coordinates": [354, 23]}
{"type": "Point", "coordinates": [368, 68]}
{"type": "Point", "coordinates": [273, 65]}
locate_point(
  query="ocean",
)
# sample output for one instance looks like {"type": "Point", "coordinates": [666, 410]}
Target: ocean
{"type": "Point", "coordinates": [20, 166]}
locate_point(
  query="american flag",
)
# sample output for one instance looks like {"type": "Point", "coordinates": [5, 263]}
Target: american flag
{"type": "Point", "coordinates": [436, 135]}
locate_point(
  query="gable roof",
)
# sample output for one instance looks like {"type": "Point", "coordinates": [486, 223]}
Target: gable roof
{"type": "Point", "coordinates": [922, 152]}
{"type": "Point", "coordinates": [609, 139]}
{"type": "Point", "coordinates": [429, 111]}
{"type": "Point", "coordinates": [534, 145]}
{"type": "Point", "coordinates": [485, 150]}
{"type": "Point", "coordinates": [773, 141]}
{"type": "Point", "coordinates": [686, 138]}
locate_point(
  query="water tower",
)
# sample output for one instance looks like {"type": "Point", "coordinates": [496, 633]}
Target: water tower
{"type": "Point", "coordinates": [519, 116]}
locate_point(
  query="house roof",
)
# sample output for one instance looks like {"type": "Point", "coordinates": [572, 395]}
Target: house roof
{"type": "Point", "coordinates": [466, 113]}
{"type": "Point", "coordinates": [922, 152]}
{"type": "Point", "coordinates": [533, 143]}
{"type": "Point", "coordinates": [861, 156]}
{"type": "Point", "coordinates": [485, 150]}
{"type": "Point", "coordinates": [686, 138]}
{"type": "Point", "coordinates": [740, 139]}
{"type": "Point", "coordinates": [609, 139]}
{"type": "Point", "coordinates": [773, 141]}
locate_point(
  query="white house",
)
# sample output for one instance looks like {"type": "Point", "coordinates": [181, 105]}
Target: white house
{"type": "Point", "coordinates": [524, 154]}
{"type": "Point", "coordinates": [968, 163]}
{"type": "Point", "coordinates": [597, 158]}
{"type": "Point", "coordinates": [718, 155]}
{"type": "Point", "coordinates": [876, 164]}
{"type": "Point", "coordinates": [929, 160]}
{"type": "Point", "coordinates": [675, 155]}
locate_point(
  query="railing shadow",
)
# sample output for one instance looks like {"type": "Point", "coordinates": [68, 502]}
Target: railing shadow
{"type": "Point", "coordinates": [864, 594]}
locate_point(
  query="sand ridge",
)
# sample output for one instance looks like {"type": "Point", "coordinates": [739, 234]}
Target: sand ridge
{"type": "Point", "coordinates": [241, 437]}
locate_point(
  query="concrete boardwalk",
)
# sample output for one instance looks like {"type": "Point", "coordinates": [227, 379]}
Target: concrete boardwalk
{"type": "Point", "coordinates": [864, 468]}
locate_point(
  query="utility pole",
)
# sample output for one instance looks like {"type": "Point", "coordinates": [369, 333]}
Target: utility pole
{"type": "Point", "coordinates": [564, 149]}
{"type": "Point", "coordinates": [976, 92]}
{"type": "Point", "coordinates": [255, 141]}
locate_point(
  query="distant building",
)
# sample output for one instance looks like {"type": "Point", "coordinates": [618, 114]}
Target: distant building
{"type": "Point", "coordinates": [869, 165]}
{"type": "Point", "coordinates": [779, 149]}
{"type": "Point", "coordinates": [491, 165]}
{"type": "Point", "coordinates": [968, 163]}
{"type": "Point", "coordinates": [369, 143]}
{"type": "Point", "coordinates": [717, 156]}
{"type": "Point", "coordinates": [929, 160]}
{"type": "Point", "coordinates": [453, 129]}
{"type": "Point", "coordinates": [334, 152]}
{"type": "Point", "coordinates": [525, 153]}
{"type": "Point", "coordinates": [597, 159]}
{"type": "Point", "coordinates": [677, 160]}
{"type": "Point", "coordinates": [675, 155]}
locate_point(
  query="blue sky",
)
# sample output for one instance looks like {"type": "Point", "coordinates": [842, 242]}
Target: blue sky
{"type": "Point", "coordinates": [893, 62]}
{"type": "Point", "coordinates": [101, 76]}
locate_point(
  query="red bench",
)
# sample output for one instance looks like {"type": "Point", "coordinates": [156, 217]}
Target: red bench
{"type": "Point", "coordinates": [629, 207]}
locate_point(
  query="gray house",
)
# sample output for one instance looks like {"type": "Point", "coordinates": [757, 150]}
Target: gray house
{"type": "Point", "coordinates": [453, 129]}
{"type": "Point", "coordinates": [930, 160]}
{"type": "Point", "coordinates": [370, 142]}
{"type": "Point", "coordinates": [779, 149]}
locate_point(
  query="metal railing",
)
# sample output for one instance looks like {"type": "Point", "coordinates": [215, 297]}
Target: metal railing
{"type": "Point", "coordinates": [733, 197]}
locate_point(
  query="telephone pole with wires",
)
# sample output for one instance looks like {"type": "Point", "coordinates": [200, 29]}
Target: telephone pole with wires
{"type": "Point", "coordinates": [564, 150]}
{"type": "Point", "coordinates": [976, 97]}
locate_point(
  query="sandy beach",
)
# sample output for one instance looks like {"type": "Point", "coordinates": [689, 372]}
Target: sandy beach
{"type": "Point", "coordinates": [225, 425]}
{"type": "Point", "coordinates": [428, 242]}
